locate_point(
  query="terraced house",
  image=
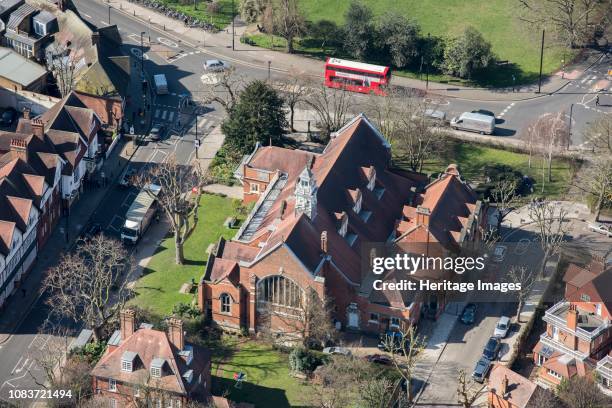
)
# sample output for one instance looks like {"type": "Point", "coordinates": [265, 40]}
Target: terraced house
{"type": "Point", "coordinates": [578, 337]}
{"type": "Point", "coordinates": [314, 217]}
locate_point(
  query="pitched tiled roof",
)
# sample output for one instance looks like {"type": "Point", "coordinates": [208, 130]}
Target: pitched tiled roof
{"type": "Point", "coordinates": [594, 280]}
{"type": "Point", "coordinates": [7, 229]}
{"type": "Point", "coordinates": [21, 208]}
{"type": "Point", "coordinates": [150, 344]}
{"type": "Point", "coordinates": [19, 15]}
{"type": "Point", "coordinates": [71, 115]}
{"type": "Point", "coordinates": [519, 390]}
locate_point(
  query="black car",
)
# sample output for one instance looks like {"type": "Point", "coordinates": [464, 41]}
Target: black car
{"type": "Point", "coordinates": [481, 370]}
{"type": "Point", "coordinates": [491, 350]}
{"type": "Point", "coordinates": [91, 231]}
{"type": "Point", "coordinates": [8, 116]}
{"type": "Point", "coordinates": [392, 342]}
{"type": "Point", "coordinates": [469, 314]}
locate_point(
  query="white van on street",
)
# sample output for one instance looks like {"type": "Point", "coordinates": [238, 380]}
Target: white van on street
{"type": "Point", "coordinates": [474, 122]}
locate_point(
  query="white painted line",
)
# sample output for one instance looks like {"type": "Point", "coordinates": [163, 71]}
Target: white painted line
{"type": "Point", "coordinates": [86, 15]}
{"type": "Point", "coordinates": [164, 114]}
{"type": "Point", "coordinates": [14, 368]}
{"type": "Point", "coordinates": [202, 122]}
{"type": "Point", "coordinates": [584, 80]}
{"type": "Point", "coordinates": [171, 116]}
{"type": "Point", "coordinates": [103, 22]}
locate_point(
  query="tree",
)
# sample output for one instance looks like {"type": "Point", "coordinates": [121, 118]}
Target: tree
{"type": "Point", "coordinates": [358, 29]}
{"type": "Point", "coordinates": [398, 37]}
{"type": "Point", "coordinates": [377, 393]}
{"type": "Point", "coordinates": [505, 197]}
{"type": "Point", "coordinates": [582, 392]}
{"type": "Point", "coordinates": [467, 394]}
{"type": "Point", "coordinates": [251, 10]}
{"type": "Point", "coordinates": [599, 134]}
{"type": "Point", "coordinates": [325, 31]}
{"type": "Point", "coordinates": [412, 346]}
{"type": "Point", "coordinates": [223, 87]}
{"type": "Point", "coordinates": [550, 224]}
{"type": "Point", "coordinates": [257, 117]}
{"type": "Point", "coordinates": [62, 62]}
{"type": "Point", "coordinates": [526, 277]}
{"type": "Point", "coordinates": [550, 134]}
{"type": "Point", "coordinates": [332, 107]}
{"type": "Point", "coordinates": [88, 284]}
{"type": "Point", "coordinates": [544, 398]}
{"type": "Point", "coordinates": [596, 181]}
{"type": "Point", "coordinates": [289, 22]}
{"type": "Point", "coordinates": [467, 53]}
{"type": "Point", "coordinates": [176, 182]}
{"type": "Point", "coordinates": [569, 18]}
{"type": "Point", "coordinates": [294, 91]}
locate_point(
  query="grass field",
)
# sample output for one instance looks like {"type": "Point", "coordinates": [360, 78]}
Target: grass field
{"type": "Point", "coordinates": [497, 20]}
{"type": "Point", "coordinates": [269, 382]}
{"type": "Point", "coordinates": [472, 158]}
{"type": "Point", "coordinates": [158, 289]}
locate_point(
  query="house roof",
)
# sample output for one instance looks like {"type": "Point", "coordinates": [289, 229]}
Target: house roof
{"type": "Point", "coordinates": [71, 115]}
{"type": "Point", "coordinates": [519, 390]}
{"type": "Point", "coordinates": [152, 346]}
{"type": "Point", "coordinates": [19, 69]}
{"type": "Point", "coordinates": [17, 16]}
{"type": "Point", "coordinates": [7, 229]}
{"type": "Point", "coordinates": [45, 17]}
{"type": "Point", "coordinates": [593, 280]}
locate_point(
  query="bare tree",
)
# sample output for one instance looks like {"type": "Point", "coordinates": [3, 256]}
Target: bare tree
{"type": "Point", "coordinates": [550, 222]}
{"type": "Point", "coordinates": [289, 22]}
{"type": "Point", "coordinates": [526, 277]}
{"type": "Point", "coordinates": [377, 393]}
{"type": "Point", "coordinates": [407, 356]}
{"type": "Point", "coordinates": [310, 322]}
{"type": "Point", "coordinates": [62, 63]}
{"type": "Point", "coordinates": [178, 198]}
{"type": "Point", "coordinates": [529, 138]}
{"type": "Point", "coordinates": [294, 91]}
{"type": "Point", "coordinates": [223, 87]}
{"type": "Point", "coordinates": [49, 350]}
{"type": "Point", "coordinates": [332, 107]}
{"type": "Point", "coordinates": [88, 285]}
{"type": "Point", "coordinates": [468, 391]}
{"type": "Point", "coordinates": [505, 197]}
{"type": "Point", "coordinates": [582, 392]}
{"type": "Point", "coordinates": [550, 133]}
{"type": "Point", "coordinates": [596, 181]}
{"type": "Point", "coordinates": [599, 134]}
{"type": "Point", "coordinates": [544, 398]}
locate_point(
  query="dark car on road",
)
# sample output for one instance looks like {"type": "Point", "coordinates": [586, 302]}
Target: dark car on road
{"type": "Point", "coordinates": [469, 314]}
{"type": "Point", "coordinates": [491, 350]}
{"type": "Point", "coordinates": [8, 116]}
{"type": "Point", "coordinates": [91, 231]}
{"type": "Point", "coordinates": [156, 132]}
{"type": "Point", "coordinates": [481, 370]}
{"type": "Point", "coordinates": [392, 342]}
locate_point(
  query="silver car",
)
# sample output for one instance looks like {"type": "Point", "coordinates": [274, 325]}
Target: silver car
{"type": "Point", "coordinates": [216, 65]}
{"type": "Point", "coordinates": [601, 229]}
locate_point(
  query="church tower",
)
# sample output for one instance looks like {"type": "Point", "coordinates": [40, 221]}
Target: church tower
{"type": "Point", "coordinates": [306, 194]}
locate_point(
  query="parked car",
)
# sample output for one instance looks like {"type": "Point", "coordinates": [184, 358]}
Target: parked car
{"type": "Point", "coordinates": [469, 314]}
{"type": "Point", "coordinates": [126, 179]}
{"type": "Point", "coordinates": [474, 122]}
{"type": "Point", "coordinates": [156, 132]}
{"type": "Point", "coordinates": [499, 253]}
{"type": "Point", "coordinates": [8, 117]}
{"type": "Point", "coordinates": [337, 350]}
{"type": "Point", "coordinates": [501, 330]}
{"type": "Point", "coordinates": [216, 65]}
{"type": "Point", "coordinates": [91, 231]}
{"type": "Point", "coordinates": [392, 342]}
{"type": "Point", "coordinates": [491, 350]}
{"type": "Point", "coordinates": [601, 229]}
{"type": "Point", "coordinates": [435, 115]}
{"type": "Point", "coordinates": [483, 366]}
{"type": "Point", "coordinates": [379, 359]}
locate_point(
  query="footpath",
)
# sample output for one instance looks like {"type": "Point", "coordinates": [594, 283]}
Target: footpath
{"type": "Point", "coordinates": [219, 45]}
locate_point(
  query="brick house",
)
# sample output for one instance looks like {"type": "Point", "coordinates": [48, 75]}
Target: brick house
{"type": "Point", "coordinates": [313, 218]}
{"type": "Point", "coordinates": [507, 389]}
{"type": "Point", "coordinates": [151, 366]}
{"type": "Point", "coordinates": [578, 333]}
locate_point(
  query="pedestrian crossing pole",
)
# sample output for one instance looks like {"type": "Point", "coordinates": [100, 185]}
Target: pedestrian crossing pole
{"type": "Point", "coordinates": [541, 59]}
{"type": "Point", "coordinates": [196, 142]}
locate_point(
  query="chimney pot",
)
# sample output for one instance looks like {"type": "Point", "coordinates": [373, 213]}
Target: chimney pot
{"type": "Point", "coordinates": [38, 128]}
{"type": "Point", "coordinates": [175, 333]}
{"type": "Point", "coordinates": [324, 242]}
{"type": "Point", "coordinates": [128, 323]}
{"type": "Point", "coordinates": [504, 385]}
{"type": "Point", "coordinates": [572, 317]}
{"type": "Point", "coordinates": [26, 113]}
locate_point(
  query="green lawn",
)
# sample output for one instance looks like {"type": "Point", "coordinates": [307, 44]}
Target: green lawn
{"type": "Point", "coordinates": [497, 20]}
{"type": "Point", "coordinates": [269, 382]}
{"type": "Point", "coordinates": [472, 158]}
{"type": "Point", "coordinates": [158, 289]}
{"type": "Point", "coordinates": [201, 11]}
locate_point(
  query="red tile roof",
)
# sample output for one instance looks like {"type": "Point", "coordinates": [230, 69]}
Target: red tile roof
{"type": "Point", "coordinates": [519, 390]}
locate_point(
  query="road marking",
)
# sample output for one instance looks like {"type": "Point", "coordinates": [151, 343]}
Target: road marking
{"type": "Point", "coordinates": [202, 122]}
{"type": "Point", "coordinates": [164, 114]}
{"type": "Point", "coordinates": [103, 22]}
{"type": "Point", "coordinates": [167, 42]}
{"type": "Point", "coordinates": [14, 368]}
{"type": "Point", "coordinates": [171, 116]}
{"type": "Point", "coordinates": [86, 15]}
{"type": "Point", "coordinates": [584, 80]}
{"type": "Point", "coordinates": [111, 226]}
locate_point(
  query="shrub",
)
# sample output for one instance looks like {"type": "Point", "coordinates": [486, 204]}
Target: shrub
{"type": "Point", "coordinates": [186, 310]}
{"type": "Point", "coordinates": [213, 7]}
{"type": "Point", "coordinates": [305, 361]}
{"type": "Point", "coordinates": [91, 352]}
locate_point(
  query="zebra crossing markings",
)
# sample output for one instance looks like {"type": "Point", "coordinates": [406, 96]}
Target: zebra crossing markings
{"type": "Point", "coordinates": [182, 55]}
{"type": "Point", "coordinates": [505, 110]}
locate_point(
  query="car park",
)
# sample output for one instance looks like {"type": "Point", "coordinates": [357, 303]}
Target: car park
{"type": "Point", "coordinates": [501, 329]}
{"type": "Point", "coordinates": [491, 350]}
{"type": "Point", "coordinates": [156, 132]}
{"type": "Point", "coordinates": [8, 117]}
{"type": "Point", "coordinates": [469, 314]}
{"type": "Point", "coordinates": [337, 350]}
{"type": "Point", "coordinates": [499, 253]}
{"type": "Point", "coordinates": [601, 229]}
{"type": "Point", "coordinates": [216, 65]}
{"type": "Point", "coordinates": [392, 342]}
{"type": "Point", "coordinates": [483, 366]}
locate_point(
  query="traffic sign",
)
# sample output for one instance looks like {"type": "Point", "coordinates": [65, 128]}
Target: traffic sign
{"type": "Point", "coordinates": [197, 142]}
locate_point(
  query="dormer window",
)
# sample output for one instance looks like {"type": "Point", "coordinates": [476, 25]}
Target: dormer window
{"type": "Point", "coordinates": [127, 361]}
{"type": "Point", "coordinates": [357, 198]}
{"type": "Point", "coordinates": [188, 376]}
{"type": "Point", "coordinates": [187, 354]}
{"type": "Point", "coordinates": [157, 366]}
{"type": "Point", "coordinates": [343, 225]}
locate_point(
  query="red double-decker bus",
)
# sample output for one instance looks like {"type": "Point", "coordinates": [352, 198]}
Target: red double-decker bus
{"type": "Point", "coordinates": [356, 76]}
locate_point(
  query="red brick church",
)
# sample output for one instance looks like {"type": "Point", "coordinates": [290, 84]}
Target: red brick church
{"type": "Point", "coordinates": [314, 216]}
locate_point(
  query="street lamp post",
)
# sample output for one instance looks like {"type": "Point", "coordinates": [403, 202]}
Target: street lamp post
{"type": "Point", "coordinates": [427, 67]}
{"type": "Point", "coordinates": [541, 59]}
{"type": "Point", "coordinates": [569, 141]}
{"type": "Point", "coordinates": [109, 9]}
{"type": "Point", "coordinates": [233, 33]}
{"type": "Point", "coordinates": [149, 30]}
{"type": "Point", "coordinates": [196, 141]}
{"type": "Point", "coordinates": [269, 75]}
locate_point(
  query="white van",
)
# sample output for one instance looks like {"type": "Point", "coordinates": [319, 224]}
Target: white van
{"type": "Point", "coordinates": [474, 122]}
{"type": "Point", "coordinates": [161, 85]}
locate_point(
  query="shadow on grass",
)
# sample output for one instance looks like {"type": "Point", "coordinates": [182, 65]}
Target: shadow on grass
{"type": "Point", "coordinates": [194, 262]}
{"type": "Point", "coordinates": [249, 392]}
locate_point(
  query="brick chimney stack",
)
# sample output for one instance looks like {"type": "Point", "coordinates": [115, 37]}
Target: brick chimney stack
{"type": "Point", "coordinates": [38, 128]}
{"type": "Point", "coordinates": [324, 242]}
{"type": "Point", "coordinates": [20, 147]}
{"type": "Point", "coordinates": [423, 214]}
{"type": "Point", "coordinates": [175, 333]}
{"type": "Point", "coordinates": [26, 113]}
{"type": "Point", "coordinates": [504, 385]}
{"type": "Point", "coordinates": [128, 323]}
{"type": "Point", "coordinates": [572, 317]}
